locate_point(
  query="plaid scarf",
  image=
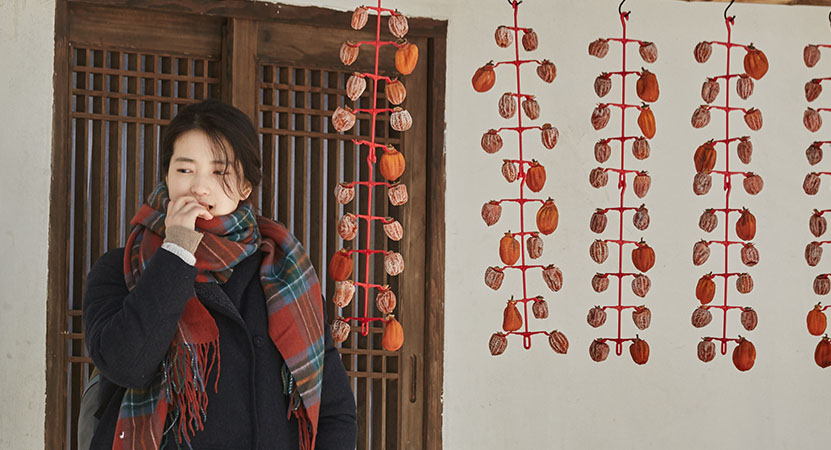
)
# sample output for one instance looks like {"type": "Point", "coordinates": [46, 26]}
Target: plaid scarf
{"type": "Point", "coordinates": [295, 324]}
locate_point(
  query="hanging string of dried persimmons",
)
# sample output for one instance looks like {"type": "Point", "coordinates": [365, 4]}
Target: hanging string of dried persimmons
{"type": "Point", "coordinates": [391, 167]}
{"type": "Point", "coordinates": [643, 256]}
{"type": "Point", "coordinates": [817, 224]}
{"type": "Point", "coordinates": [705, 159]}
{"type": "Point", "coordinates": [531, 175]}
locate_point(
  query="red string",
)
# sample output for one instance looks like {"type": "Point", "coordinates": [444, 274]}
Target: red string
{"type": "Point", "coordinates": [622, 172]}
{"type": "Point", "coordinates": [523, 268]}
{"type": "Point", "coordinates": [379, 9]}
{"type": "Point", "coordinates": [523, 233]}
{"type": "Point", "coordinates": [373, 77]}
{"type": "Point", "coordinates": [619, 308]}
{"type": "Point", "coordinates": [724, 308]}
{"type": "Point", "coordinates": [378, 43]}
{"type": "Point", "coordinates": [526, 299]}
{"type": "Point", "coordinates": [623, 106]}
{"type": "Point", "coordinates": [520, 161]}
{"type": "Point", "coordinates": [619, 208]}
{"type": "Point", "coordinates": [726, 211]}
{"type": "Point", "coordinates": [621, 242]}
{"type": "Point", "coordinates": [727, 174]}
{"type": "Point", "coordinates": [517, 62]}
{"type": "Point", "coordinates": [621, 138]}
{"type": "Point", "coordinates": [624, 73]}
{"type": "Point", "coordinates": [371, 218]}
{"type": "Point", "coordinates": [521, 201]}
{"type": "Point", "coordinates": [723, 340]}
{"type": "Point", "coordinates": [619, 275]}
{"type": "Point", "coordinates": [367, 183]}
{"type": "Point", "coordinates": [520, 95]}
{"type": "Point", "coordinates": [374, 111]}
{"type": "Point", "coordinates": [726, 141]}
{"type": "Point", "coordinates": [516, 28]}
{"type": "Point", "coordinates": [729, 44]}
{"type": "Point", "coordinates": [728, 76]}
{"type": "Point", "coordinates": [367, 285]}
{"type": "Point", "coordinates": [364, 320]}
{"type": "Point", "coordinates": [727, 108]}
{"type": "Point", "coordinates": [618, 341]}
{"type": "Point", "coordinates": [363, 251]}
{"type": "Point", "coordinates": [368, 143]}
{"type": "Point", "coordinates": [526, 338]}
{"type": "Point", "coordinates": [519, 129]}
{"type": "Point", "coordinates": [371, 160]}
{"type": "Point", "coordinates": [726, 243]}
{"type": "Point", "coordinates": [526, 335]}
{"type": "Point", "coordinates": [725, 275]}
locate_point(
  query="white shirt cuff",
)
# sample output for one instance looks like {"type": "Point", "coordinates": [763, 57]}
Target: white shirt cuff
{"type": "Point", "coordinates": [180, 252]}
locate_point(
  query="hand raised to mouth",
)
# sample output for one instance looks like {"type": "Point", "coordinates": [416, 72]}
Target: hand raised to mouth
{"type": "Point", "coordinates": [184, 210]}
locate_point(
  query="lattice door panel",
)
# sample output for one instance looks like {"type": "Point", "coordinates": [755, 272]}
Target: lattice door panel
{"type": "Point", "coordinates": [120, 104]}
{"type": "Point", "coordinates": [298, 88]}
{"type": "Point", "coordinates": [304, 159]}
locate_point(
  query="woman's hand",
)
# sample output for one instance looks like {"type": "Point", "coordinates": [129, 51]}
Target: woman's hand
{"type": "Point", "coordinates": [183, 212]}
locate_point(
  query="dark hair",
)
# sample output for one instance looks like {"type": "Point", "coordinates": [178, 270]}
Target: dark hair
{"type": "Point", "coordinates": [218, 121]}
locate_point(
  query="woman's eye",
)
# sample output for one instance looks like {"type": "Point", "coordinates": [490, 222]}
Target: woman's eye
{"type": "Point", "coordinates": [220, 172]}
{"type": "Point", "coordinates": [183, 170]}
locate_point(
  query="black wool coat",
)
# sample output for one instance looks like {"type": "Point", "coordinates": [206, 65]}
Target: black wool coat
{"type": "Point", "coordinates": [128, 334]}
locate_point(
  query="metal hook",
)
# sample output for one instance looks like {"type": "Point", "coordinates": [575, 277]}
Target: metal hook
{"type": "Point", "coordinates": [620, 7]}
{"type": "Point", "coordinates": [728, 7]}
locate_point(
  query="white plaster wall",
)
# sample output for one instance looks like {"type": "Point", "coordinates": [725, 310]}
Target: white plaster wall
{"type": "Point", "coordinates": [27, 33]}
{"type": "Point", "coordinates": [537, 399]}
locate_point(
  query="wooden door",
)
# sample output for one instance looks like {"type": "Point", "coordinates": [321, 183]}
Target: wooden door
{"type": "Point", "coordinates": [298, 87]}
{"type": "Point", "coordinates": [123, 72]}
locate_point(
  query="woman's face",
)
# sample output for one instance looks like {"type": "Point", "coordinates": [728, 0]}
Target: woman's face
{"type": "Point", "coordinates": [195, 172]}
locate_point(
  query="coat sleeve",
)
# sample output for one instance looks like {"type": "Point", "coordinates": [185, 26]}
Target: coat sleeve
{"type": "Point", "coordinates": [128, 333]}
{"type": "Point", "coordinates": [338, 423]}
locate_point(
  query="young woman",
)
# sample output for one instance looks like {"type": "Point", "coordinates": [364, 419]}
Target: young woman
{"type": "Point", "coordinates": [208, 327]}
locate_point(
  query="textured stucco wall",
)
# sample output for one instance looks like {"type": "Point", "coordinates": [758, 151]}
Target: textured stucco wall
{"type": "Point", "coordinates": [27, 45]}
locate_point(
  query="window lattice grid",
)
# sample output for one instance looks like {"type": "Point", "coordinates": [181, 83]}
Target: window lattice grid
{"type": "Point", "coordinates": [120, 103]}
{"type": "Point", "coordinates": [304, 158]}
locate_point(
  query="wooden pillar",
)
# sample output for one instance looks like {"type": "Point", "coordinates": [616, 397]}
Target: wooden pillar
{"type": "Point", "coordinates": [239, 70]}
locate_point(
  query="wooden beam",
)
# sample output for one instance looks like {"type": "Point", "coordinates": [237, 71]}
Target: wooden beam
{"type": "Point", "coordinates": [239, 66]}
{"type": "Point", "coordinates": [435, 269]}
{"type": "Point", "coordinates": [276, 12]}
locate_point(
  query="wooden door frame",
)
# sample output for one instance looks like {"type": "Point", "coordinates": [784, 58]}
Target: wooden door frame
{"type": "Point", "coordinates": [241, 15]}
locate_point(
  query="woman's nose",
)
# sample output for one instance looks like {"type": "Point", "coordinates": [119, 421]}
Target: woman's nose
{"type": "Point", "coordinates": [200, 186]}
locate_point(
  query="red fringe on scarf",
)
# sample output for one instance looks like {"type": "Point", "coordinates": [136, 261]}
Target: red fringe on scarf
{"type": "Point", "coordinates": [189, 398]}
